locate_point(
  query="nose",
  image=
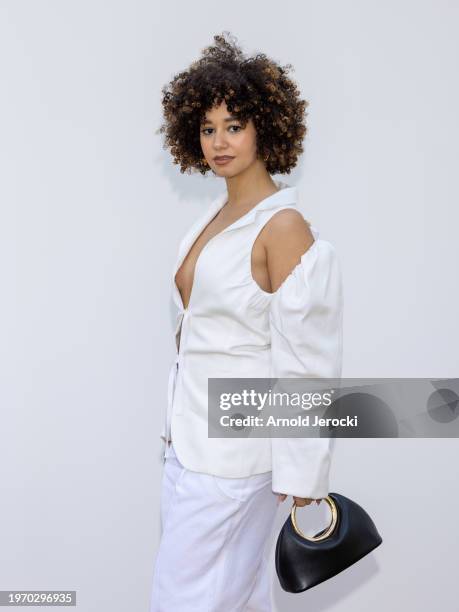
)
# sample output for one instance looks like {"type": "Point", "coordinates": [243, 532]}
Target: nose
{"type": "Point", "coordinates": [220, 140]}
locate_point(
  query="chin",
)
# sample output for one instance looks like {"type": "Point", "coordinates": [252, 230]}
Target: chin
{"type": "Point", "coordinates": [227, 172]}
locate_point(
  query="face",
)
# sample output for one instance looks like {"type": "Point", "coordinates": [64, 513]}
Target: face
{"type": "Point", "coordinates": [222, 135]}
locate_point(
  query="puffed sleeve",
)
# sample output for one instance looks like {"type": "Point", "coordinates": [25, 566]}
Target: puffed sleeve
{"type": "Point", "coordinates": [306, 324]}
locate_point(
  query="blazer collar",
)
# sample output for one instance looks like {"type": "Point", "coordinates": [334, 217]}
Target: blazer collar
{"type": "Point", "coordinates": [285, 195]}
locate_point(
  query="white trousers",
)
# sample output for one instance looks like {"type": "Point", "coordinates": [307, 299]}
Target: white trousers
{"type": "Point", "coordinates": [215, 542]}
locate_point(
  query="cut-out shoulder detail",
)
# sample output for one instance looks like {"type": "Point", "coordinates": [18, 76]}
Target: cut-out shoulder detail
{"type": "Point", "coordinates": [308, 253]}
{"type": "Point", "coordinates": [279, 245]}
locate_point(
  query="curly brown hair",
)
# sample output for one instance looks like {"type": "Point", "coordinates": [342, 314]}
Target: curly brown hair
{"type": "Point", "coordinates": [254, 88]}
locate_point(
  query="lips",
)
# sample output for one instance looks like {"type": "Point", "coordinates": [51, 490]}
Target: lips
{"type": "Point", "coordinates": [223, 158]}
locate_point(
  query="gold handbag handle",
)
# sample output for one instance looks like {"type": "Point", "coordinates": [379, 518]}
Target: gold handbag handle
{"type": "Point", "coordinates": [334, 510]}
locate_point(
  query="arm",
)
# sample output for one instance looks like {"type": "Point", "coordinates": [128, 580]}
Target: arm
{"type": "Point", "coordinates": [306, 341]}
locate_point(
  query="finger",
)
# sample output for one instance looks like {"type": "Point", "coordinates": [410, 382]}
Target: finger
{"type": "Point", "coordinates": [303, 501]}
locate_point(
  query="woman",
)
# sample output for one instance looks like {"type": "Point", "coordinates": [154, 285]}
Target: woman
{"type": "Point", "coordinates": [258, 295]}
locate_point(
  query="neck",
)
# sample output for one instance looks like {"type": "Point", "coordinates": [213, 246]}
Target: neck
{"type": "Point", "coordinates": [250, 186]}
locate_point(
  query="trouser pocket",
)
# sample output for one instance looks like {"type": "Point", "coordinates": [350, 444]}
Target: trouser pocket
{"type": "Point", "coordinates": [241, 489]}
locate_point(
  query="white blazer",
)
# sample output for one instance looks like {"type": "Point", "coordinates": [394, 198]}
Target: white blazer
{"type": "Point", "coordinates": [233, 328]}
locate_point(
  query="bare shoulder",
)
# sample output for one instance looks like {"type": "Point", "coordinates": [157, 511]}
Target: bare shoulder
{"type": "Point", "coordinates": [290, 223]}
{"type": "Point", "coordinates": [286, 238]}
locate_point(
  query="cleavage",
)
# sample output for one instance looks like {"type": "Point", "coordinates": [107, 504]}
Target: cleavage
{"type": "Point", "coordinates": [184, 278]}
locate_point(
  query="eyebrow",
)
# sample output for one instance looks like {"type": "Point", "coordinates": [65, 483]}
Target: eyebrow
{"type": "Point", "coordinates": [232, 118]}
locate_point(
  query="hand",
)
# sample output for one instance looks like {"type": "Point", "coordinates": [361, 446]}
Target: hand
{"type": "Point", "coordinates": [299, 501]}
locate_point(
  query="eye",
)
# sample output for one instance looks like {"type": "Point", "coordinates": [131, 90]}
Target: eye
{"type": "Point", "coordinates": [207, 131]}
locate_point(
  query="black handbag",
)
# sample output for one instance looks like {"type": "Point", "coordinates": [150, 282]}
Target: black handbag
{"type": "Point", "coordinates": [303, 562]}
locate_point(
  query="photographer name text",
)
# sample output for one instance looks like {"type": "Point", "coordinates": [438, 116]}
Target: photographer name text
{"type": "Point", "coordinates": [303, 421]}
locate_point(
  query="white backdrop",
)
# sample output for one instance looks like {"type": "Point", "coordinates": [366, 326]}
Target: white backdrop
{"type": "Point", "coordinates": [92, 211]}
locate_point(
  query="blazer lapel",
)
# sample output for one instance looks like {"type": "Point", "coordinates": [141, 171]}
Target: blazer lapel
{"type": "Point", "coordinates": [286, 195]}
{"type": "Point", "coordinates": [189, 238]}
